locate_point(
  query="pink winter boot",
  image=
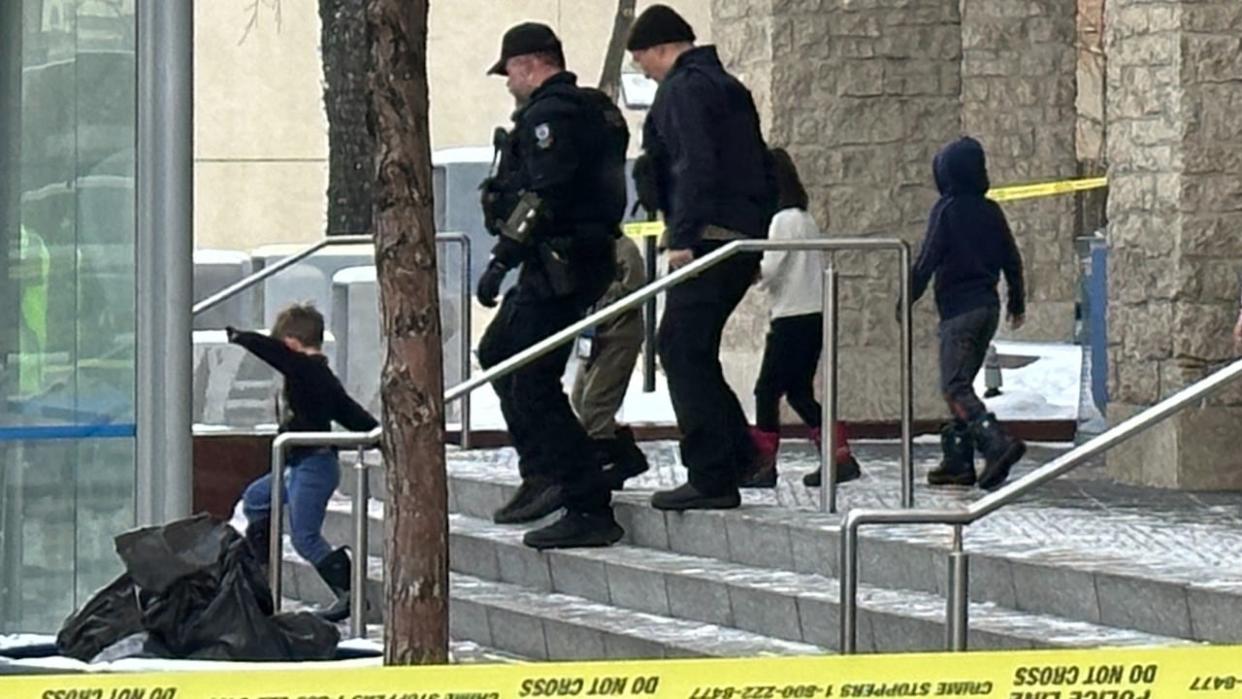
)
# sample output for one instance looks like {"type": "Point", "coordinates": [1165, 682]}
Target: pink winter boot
{"type": "Point", "coordinates": [763, 475]}
{"type": "Point", "coordinates": [847, 466]}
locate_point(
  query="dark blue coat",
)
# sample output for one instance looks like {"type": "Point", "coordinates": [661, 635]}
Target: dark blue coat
{"type": "Point", "coordinates": [968, 243]}
{"type": "Point", "coordinates": [710, 160]}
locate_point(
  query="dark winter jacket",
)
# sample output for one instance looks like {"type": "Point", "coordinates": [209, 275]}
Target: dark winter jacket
{"type": "Point", "coordinates": [711, 163]}
{"type": "Point", "coordinates": [968, 242]}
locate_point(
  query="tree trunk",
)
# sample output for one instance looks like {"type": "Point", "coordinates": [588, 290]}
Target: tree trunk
{"type": "Point", "coordinates": [610, 76]}
{"type": "Point", "coordinates": [343, 38]}
{"type": "Point", "coordinates": [416, 522]}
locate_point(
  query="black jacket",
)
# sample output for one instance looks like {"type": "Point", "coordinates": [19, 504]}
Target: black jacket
{"type": "Point", "coordinates": [313, 397]}
{"type": "Point", "coordinates": [568, 145]}
{"type": "Point", "coordinates": [711, 163]}
{"type": "Point", "coordinates": [968, 242]}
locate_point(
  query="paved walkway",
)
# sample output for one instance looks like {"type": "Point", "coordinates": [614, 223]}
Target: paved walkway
{"type": "Point", "coordinates": [1081, 520]}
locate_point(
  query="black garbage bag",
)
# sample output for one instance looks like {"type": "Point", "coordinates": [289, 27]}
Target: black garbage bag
{"type": "Point", "coordinates": [157, 557]}
{"type": "Point", "coordinates": [200, 593]}
{"type": "Point", "coordinates": [237, 622]}
{"type": "Point", "coordinates": [112, 614]}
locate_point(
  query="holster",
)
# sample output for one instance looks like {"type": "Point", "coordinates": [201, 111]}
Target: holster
{"type": "Point", "coordinates": [524, 219]}
{"type": "Point", "coordinates": [555, 265]}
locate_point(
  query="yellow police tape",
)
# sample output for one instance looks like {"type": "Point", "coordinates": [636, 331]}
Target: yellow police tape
{"type": "Point", "coordinates": [1174, 672]}
{"type": "Point", "coordinates": [653, 229]}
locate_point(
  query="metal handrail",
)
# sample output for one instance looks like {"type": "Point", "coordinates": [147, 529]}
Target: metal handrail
{"type": "Point", "coordinates": [956, 621]}
{"type": "Point", "coordinates": [363, 239]}
{"type": "Point", "coordinates": [241, 285]}
{"type": "Point", "coordinates": [550, 343]}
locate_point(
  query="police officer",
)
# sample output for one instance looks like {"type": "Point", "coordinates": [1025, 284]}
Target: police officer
{"type": "Point", "coordinates": [713, 180]}
{"type": "Point", "coordinates": [555, 205]}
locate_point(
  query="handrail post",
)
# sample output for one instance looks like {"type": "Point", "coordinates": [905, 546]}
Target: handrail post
{"type": "Point", "coordinates": [828, 376]}
{"type": "Point", "coordinates": [849, 586]}
{"type": "Point", "coordinates": [907, 383]}
{"type": "Point", "coordinates": [649, 320]}
{"type": "Point", "coordinates": [358, 586]}
{"type": "Point", "coordinates": [276, 547]}
{"type": "Point", "coordinates": [466, 314]}
{"type": "Point", "coordinates": [957, 608]}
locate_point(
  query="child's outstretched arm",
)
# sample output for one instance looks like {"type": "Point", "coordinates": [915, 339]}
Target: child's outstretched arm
{"type": "Point", "coordinates": [349, 414]}
{"type": "Point", "coordinates": [270, 350]}
{"type": "Point", "coordinates": [1012, 269]}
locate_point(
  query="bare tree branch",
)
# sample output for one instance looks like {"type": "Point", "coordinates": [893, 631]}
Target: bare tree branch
{"type": "Point", "coordinates": [255, 9]}
{"type": "Point", "coordinates": [610, 76]}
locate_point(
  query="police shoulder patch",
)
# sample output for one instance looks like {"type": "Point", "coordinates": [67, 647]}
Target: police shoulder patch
{"type": "Point", "coordinates": [543, 136]}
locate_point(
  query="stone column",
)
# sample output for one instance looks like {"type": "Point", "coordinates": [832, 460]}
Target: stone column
{"type": "Point", "coordinates": [1175, 210]}
{"type": "Point", "coordinates": [861, 93]}
{"type": "Point", "coordinates": [1018, 98]}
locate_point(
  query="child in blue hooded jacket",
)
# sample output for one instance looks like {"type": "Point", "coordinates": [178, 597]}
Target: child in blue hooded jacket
{"type": "Point", "coordinates": [967, 246]}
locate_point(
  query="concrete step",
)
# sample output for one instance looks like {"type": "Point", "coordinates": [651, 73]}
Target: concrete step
{"type": "Point", "coordinates": [1098, 585]}
{"type": "Point", "coordinates": [791, 606]}
{"type": "Point", "coordinates": [460, 652]}
{"type": "Point", "coordinates": [543, 626]}
{"type": "Point", "coordinates": [1090, 579]}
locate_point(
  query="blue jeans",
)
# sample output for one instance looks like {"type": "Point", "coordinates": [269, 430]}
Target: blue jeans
{"type": "Point", "coordinates": [310, 481]}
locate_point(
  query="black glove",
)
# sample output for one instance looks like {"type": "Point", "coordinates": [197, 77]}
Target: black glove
{"type": "Point", "coordinates": [231, 333]}
{"type": "Point", "coordinates": [646, 187]}
{"type": "Point", "coordinates": [489, 283]}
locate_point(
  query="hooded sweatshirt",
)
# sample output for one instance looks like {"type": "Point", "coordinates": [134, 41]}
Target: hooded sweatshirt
{"type": "Point", "coordinates": [968, 243]}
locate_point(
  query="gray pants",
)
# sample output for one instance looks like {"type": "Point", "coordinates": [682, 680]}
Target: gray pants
{"type": "Point", "coordinates": [964, 341]}
{"type": "Point", "coordinates": [603, 379]}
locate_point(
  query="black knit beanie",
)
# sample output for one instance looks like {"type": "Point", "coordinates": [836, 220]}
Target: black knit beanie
{"type": "Point", "coordinates": [658, 24]}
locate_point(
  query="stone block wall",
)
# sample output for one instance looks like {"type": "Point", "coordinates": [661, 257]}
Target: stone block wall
{"type": "Point", "coordinates": [1175, 207]}
{"type": "Point", "coordinates": [1018, 98]}
{"type": "Point", "coordinates": [862, 93]}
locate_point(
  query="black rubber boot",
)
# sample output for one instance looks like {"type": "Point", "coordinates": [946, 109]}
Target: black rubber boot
{"type": "Point", "coordinates": [535, 499]}
{"type": "Point", "coordinates": [847, 470]}
{"type": "Point", "coordinates": [999, 448]}
{"type": "Point", "coordinates": [259, 537]}
{"type": "Point", "coordinates": [335, 572]}
{"type": "Point", "coordinates": [576, 530]}
{"type": "Point", "coordinates": [624, 460]}
{"type": "Point", "coordinates": [958, 465]}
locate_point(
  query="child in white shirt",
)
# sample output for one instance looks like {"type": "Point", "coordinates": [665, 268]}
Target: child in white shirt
{"type": "Point", "coordinates": [794, 280]}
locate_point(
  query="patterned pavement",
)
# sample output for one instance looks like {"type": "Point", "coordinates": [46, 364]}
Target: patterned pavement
{"type": "Point", "coordinates": [1081, 520]}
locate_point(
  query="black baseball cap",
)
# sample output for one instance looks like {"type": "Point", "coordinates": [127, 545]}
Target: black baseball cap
{"type": "Point", "coordinates": [523, 39]}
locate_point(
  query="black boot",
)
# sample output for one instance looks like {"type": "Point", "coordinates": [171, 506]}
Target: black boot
{"type": "Point", "coordinates": [1000, 450]}
{"type": "Point", "coordinates": [688, 497]}
{"type": "Point", "coordinates": [259, 537]}
{"type": "Point", "coordinates": [623, 459]}
{"type": "Point", "coordinates": [535, 499]}
{"type": "Point", "coordinates": [576, 530]}
{"type": "Point", "coordinates": [335, 572]}
{"type": "Point", "coordinates": [958, 465]}
{"type": "Point", "coordinates": [847, 470]}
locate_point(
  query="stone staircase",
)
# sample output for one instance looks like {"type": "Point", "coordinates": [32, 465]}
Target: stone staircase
{"type": "Point", "coordinates": [1065, 570]}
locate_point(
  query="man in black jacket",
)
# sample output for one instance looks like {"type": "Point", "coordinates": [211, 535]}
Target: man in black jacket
{"type": "Point", "coordinates": [555, 205]}
{"type": "Point", "coordinates": [713, 177]}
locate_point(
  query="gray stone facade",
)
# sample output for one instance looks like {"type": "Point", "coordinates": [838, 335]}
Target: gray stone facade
{"type": "Point", "coordinates": [1175, 210]}
{"type": "Point", "coordinates": [1018, 98]}
{"type": "Point", "coordinates": [862, 94]}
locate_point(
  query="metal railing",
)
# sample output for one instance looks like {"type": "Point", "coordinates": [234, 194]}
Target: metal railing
{"type": "Point", "coordinates": [957, 614]}
{"type": "Point", "coordinates": [358, 572]}
{"type": "Point", "coordinates": [713, 258]}
{"type": "Point", "coordinates": [464, 314]}
{"type": "Point", "coordinates": [364, 440]}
